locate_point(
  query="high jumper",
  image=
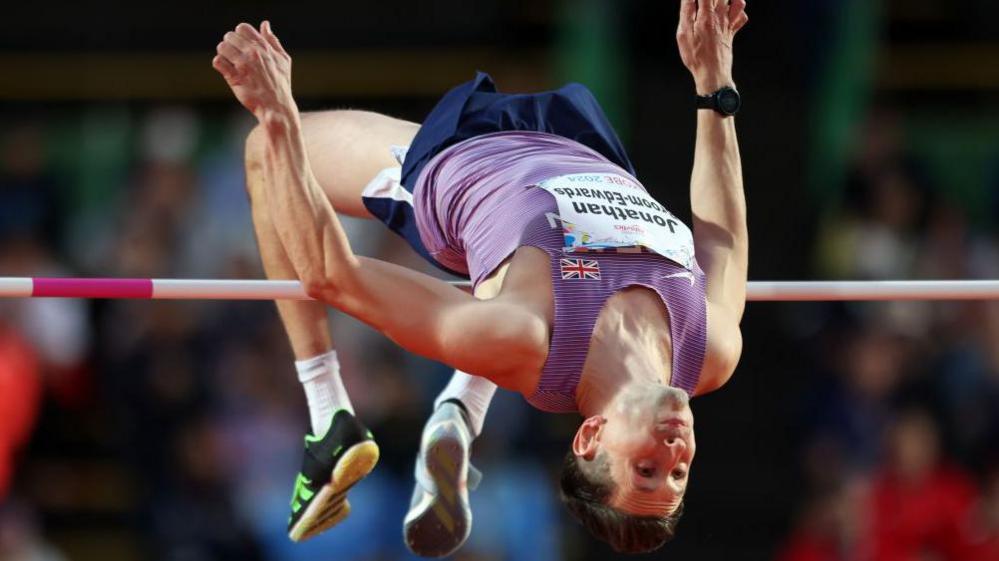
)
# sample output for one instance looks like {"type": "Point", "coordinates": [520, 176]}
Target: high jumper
{"type": "Point", "coordinates": [589, 295]}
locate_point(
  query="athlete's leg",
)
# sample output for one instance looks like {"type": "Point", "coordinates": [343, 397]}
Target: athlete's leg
{"type": "Point", "coordinates": [346, 149]}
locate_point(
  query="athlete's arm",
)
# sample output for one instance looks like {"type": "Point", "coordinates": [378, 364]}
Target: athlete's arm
{"type": "Point", "coordinates": [422, 314]}
{"type": "Point", "coordinates": [718, 203]}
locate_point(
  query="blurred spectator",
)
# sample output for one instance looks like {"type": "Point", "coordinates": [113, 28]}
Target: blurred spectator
{"type": "Point", "coordinates": [219, 229]}
{"type": "Point", "coordinates": [57, 328]}
{"type": "Point", "coordinates": [920, 504]}
{"type": "Point", "coordinates": [916, 506]}
{"type": "Point", "coordinates": [832, 526]}
{"type": "Point", "coordinates": [31, 196]}
{"type": "Point", "coordinates": [847, 412]}
{"type": "Point", "coordinates": [194, 517]}
{"type": "Point", "coordinates": [876, 234]}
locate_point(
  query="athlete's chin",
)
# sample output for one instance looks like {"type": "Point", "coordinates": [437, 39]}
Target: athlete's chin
{"type": "Point", "coordinates": [673, 400]}
{"type": "Point", "coordinates": [673, 411]}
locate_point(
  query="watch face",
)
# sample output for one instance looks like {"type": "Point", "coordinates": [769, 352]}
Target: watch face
{"type": "Point", "coordinates": [728, 101]}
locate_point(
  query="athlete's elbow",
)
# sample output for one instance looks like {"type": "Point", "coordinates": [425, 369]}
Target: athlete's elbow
{"type": "Point", "coordinates": [525, 342]}
{"type": "Point", "coordinates": [317, 286]}
{"type": "Point", "coordinates": [321, 284]}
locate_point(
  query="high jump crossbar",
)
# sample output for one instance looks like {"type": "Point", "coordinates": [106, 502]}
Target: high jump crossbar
{"type": "Point", "coordinates": [202, 289]}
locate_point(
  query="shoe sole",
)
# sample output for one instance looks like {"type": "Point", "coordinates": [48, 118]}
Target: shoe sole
{"type": "Point", "coordinates": [440, 525]}
{"type": "Point", "coordinates": [330, 506]}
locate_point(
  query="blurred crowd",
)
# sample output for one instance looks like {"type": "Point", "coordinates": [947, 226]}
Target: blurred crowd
{"type": "Point", "coordinates": [171, 430]}
{"type": "Point", "coordinates": [898, 431]}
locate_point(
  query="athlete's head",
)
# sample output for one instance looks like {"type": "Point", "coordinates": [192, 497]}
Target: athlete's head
{"type": "Point", "coordinates": [626, 474]}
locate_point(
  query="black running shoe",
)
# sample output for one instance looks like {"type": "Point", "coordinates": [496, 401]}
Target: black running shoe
{"type": "Point", "coordinates": [330, 467]}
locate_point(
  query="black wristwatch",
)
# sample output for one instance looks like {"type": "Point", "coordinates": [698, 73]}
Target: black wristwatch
{"type": "Point", "coordinates": [725, 101]}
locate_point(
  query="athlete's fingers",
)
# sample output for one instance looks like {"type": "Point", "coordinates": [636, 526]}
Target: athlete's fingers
{"type": "Point", "coordinates": [735, 7]}
{"type": "Point", "coordinates": [225, 68]}
{"type": "Point", "coordinates": [249, 33]}
{"type": "Point", "coordinates": [268, 33]}
{"type": "Point", "coordinates": [739, 21]}
{"type": "Point", "coordinates": [231, 53]}
{"type": "Point", "coordinates": [705, 11]}
{"type": "Point", "coordinates": [236, 41]}
{"type": "Point", "coordinates": [684, 29]}
{"type": "Point", "coordinates": [688, 11]}
{"type": "Point", "coordinates": [735, 12]}
{"type": "Point", "coordinates": [721, 11]}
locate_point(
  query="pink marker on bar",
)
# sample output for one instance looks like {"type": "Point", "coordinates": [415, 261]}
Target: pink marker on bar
{"type": "Point", "coordinates": [92, 288]}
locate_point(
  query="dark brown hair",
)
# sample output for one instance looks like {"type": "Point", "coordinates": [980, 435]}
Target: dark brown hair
{"type": "Point", "coordinates": [586, 495]}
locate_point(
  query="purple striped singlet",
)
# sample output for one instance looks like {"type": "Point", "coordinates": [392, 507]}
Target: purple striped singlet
{"type": "Point", "coordinates": [478, 201]}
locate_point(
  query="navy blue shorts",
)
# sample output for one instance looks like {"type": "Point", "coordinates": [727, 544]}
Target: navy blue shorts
{"type": "Point", "coordinates": [476, 108]}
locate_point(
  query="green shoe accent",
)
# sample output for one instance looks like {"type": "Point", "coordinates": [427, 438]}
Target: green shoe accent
{"type": "Point", "coordinates": [301, 492]}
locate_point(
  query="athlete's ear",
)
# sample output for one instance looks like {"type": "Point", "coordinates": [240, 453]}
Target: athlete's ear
{"type": "Point", "coordinates": [585, 443]}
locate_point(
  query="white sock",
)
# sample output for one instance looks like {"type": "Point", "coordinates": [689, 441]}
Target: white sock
{"type": "Point", "coordinates": [473, 392]}
{"type": "Point", "coordinates": [324, 391]}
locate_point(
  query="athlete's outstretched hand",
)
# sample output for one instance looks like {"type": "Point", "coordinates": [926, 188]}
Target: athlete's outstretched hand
{"type": "Point", "coordinates": [705, 35]}
{"type": "Point", "coordinates": [256, 67]}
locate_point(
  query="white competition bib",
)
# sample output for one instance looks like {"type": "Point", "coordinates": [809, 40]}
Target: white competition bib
{"type": "Point", "coordinates": [605, 211]}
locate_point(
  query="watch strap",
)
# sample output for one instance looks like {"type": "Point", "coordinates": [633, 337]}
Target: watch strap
{"type": "Point", "coordinates": [713, 101]}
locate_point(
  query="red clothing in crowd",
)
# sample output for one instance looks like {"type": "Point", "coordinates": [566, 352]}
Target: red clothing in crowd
{"type": "Point", "coordinates": [936, 517]}
{"type": "Point", "coordinates": [20, 392]}
{"type": "Point", "coordinates": [933, 515]}
{"type": "Point", "coordinates": [806, 546]}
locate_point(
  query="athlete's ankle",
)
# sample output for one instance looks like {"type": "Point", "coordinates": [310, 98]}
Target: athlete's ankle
{"type": "Point", "coordinates": [463, 409]}
{"type": "Point", "coordinates": [473, 393]}
{"type": "Point", "coordinates": [324, 390]}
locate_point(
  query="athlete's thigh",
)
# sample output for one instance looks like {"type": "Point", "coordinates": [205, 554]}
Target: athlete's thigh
{"type": "Point", "coordinates": [348, 148]}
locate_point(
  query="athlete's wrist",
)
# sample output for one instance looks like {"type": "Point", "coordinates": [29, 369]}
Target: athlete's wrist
{"type": "Point", "coordinates": [279, 118]}
{"type": "Point", "coordinates": [709, 85]}
{"type": "Point", "coordinates": [280, 108]}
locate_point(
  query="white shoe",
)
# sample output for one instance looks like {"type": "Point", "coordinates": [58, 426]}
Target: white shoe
{"type": "Point", "coordinates": [439, 518]}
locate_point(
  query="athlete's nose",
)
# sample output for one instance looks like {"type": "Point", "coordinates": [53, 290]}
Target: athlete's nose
{"type": "Point", "coordinates": [676, 445]}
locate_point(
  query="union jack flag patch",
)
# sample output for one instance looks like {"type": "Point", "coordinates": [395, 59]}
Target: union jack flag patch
{"type": "Point", "coordinates": [580, 269]}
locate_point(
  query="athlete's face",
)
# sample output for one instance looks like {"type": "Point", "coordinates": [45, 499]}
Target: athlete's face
{"type": "Point", "coordinates": [647, 435]}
